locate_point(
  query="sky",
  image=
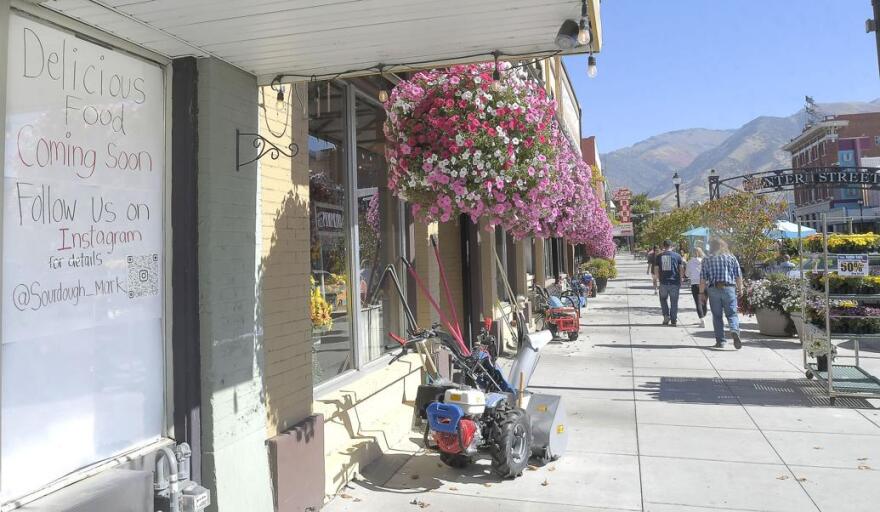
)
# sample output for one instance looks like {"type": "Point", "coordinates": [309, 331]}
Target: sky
{"type": "Point", "coordinates": [676, 64]}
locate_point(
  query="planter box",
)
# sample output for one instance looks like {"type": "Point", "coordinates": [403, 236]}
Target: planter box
{"type": "Point", "coordinates": [773, 323]}
{"type": "Point", "coordinates": [601, 283]}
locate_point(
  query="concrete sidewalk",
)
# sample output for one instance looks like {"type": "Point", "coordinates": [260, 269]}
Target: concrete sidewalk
{"type": "Point", "coordinates": [661, 421]}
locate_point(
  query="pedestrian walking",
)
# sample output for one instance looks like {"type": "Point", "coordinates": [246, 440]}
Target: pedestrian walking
{"type": "Point", "coordinates": [693, 271]}
{"type": "Point", "coordinates": [721, 279]}
{"type": "Point", "coordinates": [668, 269]}
{"type": "Point", "coordinates": [652, 259]}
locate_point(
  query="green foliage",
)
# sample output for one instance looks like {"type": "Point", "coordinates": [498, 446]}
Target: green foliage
{"type": "Point", "coordinates": [670, 226]}
{"type": "Point", "coordinates": [642, 209]}
{"type": "Point", "coordinates": [742, 220]}
{"type": "Point", "coordinates": [601, 268]}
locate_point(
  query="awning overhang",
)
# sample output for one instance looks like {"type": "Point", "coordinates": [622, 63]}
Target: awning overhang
{"type": "Point", "coordinates": [322, 38]}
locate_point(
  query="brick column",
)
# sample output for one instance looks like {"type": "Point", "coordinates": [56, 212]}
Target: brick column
{"type": "Point", "coordinates": [284, 268]}
{"type": "Point", "coordinates": [234, 463]}
{"type": "Point", "coordinates": [429, 273]}
{"type": "Point", "coordinates": [540, 276]}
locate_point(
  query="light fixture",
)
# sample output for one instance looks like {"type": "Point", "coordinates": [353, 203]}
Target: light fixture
{"type": "Point", "coordinates": [566, 38]}
{"type": "Point", "coordinates": [279, 92]}
{"type": "Point", "coordinates": [584, 35]}
{"type": "Point", "coordinates": [592, 70]}
{"type": "Point", "coordinates": [496, 73]}
{"type": "Point", "coordinates": [279, 98]}
{"type": "Point", "coordinates": [383, 94]}
{"type": "Point", "coordinates": [676, 179]}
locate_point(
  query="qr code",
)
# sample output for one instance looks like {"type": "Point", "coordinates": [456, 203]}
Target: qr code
{"type": "Point", "coordinates": [143, 276]}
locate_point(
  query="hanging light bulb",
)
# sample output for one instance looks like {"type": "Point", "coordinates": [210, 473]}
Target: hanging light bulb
{"type": "Point", "coordinates": [383, 95]}
{"type": "Point", "coordinates": [584, 36]}
{"type": "Point", "coordinates": [592, 71]}
{"type": "Point", "coordinates": [496, 75]}
{"type": "Point", "coordinates": [279, 98]}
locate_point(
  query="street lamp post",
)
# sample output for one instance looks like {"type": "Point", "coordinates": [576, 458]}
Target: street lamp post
{"type": "Point", "coordinates": [676, 180]}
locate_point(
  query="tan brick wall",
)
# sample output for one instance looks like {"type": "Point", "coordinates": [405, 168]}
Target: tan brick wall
{"type": "Point", "coordinates": [449, 242]}
{"type": "Point", "coordinates": [283, 274]}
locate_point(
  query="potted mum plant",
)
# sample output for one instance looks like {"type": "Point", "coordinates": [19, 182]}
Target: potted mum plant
{"type": "Point", "coordinates": [602, 270]}
{"type": "Point", "coordinates": [770, 301]}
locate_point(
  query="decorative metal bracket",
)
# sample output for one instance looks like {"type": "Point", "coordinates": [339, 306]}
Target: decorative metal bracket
{"type": "Point", "coordinates": [263, 146]}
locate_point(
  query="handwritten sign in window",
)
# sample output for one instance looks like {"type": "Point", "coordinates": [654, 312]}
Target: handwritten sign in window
{"type": "Point", "coordinates": [82, 317]}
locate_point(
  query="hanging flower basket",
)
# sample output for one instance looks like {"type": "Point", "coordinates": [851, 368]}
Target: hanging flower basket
{"type": "Point", "coordinates": [457, 144]}
{"type": "Point", "coordinates": [460, 142]}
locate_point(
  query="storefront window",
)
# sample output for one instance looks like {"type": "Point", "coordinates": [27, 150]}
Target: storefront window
{"type": "Point", "coordinates": [378, 213]}
{"type": "Point", "coordinates": [83, 340]}
{"type": "Point", "coordinates": [329, 301]}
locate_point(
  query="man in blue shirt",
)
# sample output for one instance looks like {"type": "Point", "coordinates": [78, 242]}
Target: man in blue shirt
{"type": "Point", "coordinates": [668, 269]}
{"type": "Point", "coordinates": [722, 279]}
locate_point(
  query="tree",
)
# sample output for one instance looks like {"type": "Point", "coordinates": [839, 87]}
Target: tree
{"type": "Point", "coordinates": [742, 220]}
{"type": "Point", "coordinates": [642, 209]}
{"type": "Point", "coordinates": [670, 226]}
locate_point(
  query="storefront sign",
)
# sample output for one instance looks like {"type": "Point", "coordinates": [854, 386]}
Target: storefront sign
{"type": "Point", "coordinates": [623, 197]}
{"type": "Point", "coordinates": [623, 229]}
{"type": "Point", "coordinates": [789, 178]}
{"type": "Point", "coordinates": [329, 218]}
{"type": "Point", "coordinates": [853, 265]}
{"type": "Point", "coordinates": [83, 249]}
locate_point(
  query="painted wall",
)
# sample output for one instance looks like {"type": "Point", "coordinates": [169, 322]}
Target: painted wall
{"type": "Point", "coordinates": [235, 465]}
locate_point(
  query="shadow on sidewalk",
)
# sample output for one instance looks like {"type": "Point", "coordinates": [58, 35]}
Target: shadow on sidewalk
{"type": "Point", "coordinates": [652, 346]}
{"type": "Point", "coordinates": [756, 392]}
{"type": "Point", "coordinates": [420, 473]}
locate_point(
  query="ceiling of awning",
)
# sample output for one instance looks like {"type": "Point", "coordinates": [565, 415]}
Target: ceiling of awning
{"type": "Point", "coordinates": [328, 37]}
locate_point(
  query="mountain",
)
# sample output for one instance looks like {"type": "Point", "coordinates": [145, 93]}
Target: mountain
{"type": "Point", "coordinates": [648, 166]}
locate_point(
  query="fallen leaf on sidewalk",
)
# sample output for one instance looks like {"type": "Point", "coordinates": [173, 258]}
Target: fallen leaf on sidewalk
{"type": "Point", "coordinates": [551, 468]}
{"type": "Point", "coordinates": [419, 503]}
{"type": "Point", "coordinates": [345, 496]}
{"type": "Point", "coordinates": [802, 479]}
{"type": "Point", "coordinates": [453, 488]}
{"type": "Point", "coordinates": [864, 466]}
{"type": "Point", "coordinates": [782, 477]}
{"type": "Point", "coordinates": [414, 477]}
{"type": "Point", "coordinates": [487, 484]}
{"type": "Point", "coordinates": [817, 447]}
{"type": "Point", "coordinates": [862, 459]}
{"type": "Point", "coordinates": [545, 483]}
{"type": "Point", "coordinates": [357, 500]}
{"type": "Point", "coordinates": [532, 468]}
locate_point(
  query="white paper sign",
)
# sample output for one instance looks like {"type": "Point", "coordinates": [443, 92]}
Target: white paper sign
{"type": "Point", "coordinates": [83, 178]}
{"type": "Point", "coordinates": [853, 265]}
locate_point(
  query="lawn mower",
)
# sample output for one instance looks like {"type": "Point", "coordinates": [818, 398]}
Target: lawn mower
{"type": "Point", "coordinates": [484, 413]}
{"type": "Point", "coordinates": [560, 315]}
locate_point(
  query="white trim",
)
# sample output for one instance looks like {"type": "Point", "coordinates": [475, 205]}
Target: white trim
{"type": "Point", "coordinates": [4, 43]}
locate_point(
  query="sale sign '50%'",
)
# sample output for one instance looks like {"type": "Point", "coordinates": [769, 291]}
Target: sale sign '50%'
{"type": "Point", "coordinates": [853, 265]}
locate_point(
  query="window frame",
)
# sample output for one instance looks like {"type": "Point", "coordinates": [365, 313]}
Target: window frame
{"type": "Point", "coordinates": [360, 350]}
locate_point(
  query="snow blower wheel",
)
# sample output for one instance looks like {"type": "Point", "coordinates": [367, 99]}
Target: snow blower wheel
{"type": "Point", "coordinates": [573, 336]}
{"type": "Point", "coordinates": [510, 441]}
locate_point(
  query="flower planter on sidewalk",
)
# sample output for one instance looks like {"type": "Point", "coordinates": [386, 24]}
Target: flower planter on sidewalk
{"type": "Point", "coordinates": [601, 283]}
{"type": "Point", "coordinates": [773, 323]}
